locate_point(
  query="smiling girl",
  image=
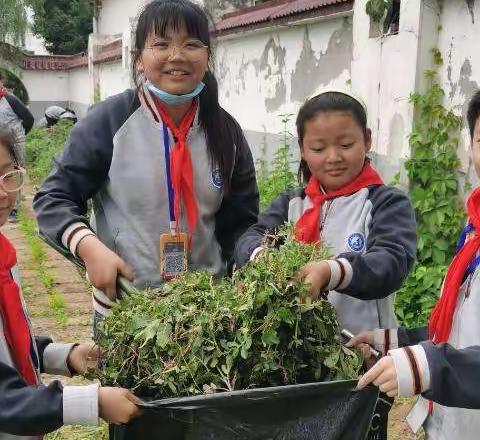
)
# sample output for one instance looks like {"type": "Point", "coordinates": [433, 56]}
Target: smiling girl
{"type": "Point", "coordinates": [170, 173]}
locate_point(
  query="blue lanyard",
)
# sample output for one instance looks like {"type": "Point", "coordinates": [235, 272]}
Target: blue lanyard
{"type": "Point", "coordinates": [473, 265]}
{"type": "Point", "coordinates": [171, 198]}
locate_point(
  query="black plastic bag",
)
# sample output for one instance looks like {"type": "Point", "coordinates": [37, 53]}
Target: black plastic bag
{"type": "Point", "coordinates": [326, 411]}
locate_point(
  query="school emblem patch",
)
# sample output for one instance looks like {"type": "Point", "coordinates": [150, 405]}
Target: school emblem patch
{"type": "Point", "coordinates": [356, 242]}
{"type": "Point", "coordinates": [217, 180]}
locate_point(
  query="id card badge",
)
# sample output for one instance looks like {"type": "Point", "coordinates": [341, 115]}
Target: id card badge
{"type": "Point", "coordinates": [173, 255]}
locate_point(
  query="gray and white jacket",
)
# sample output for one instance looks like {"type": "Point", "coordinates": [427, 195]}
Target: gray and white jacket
{"type": "Point", "coordinates": [115, 156]}
{"type": "Point", "coordinates": [26, 412]}
{"type": "Point", "coordinates": [372, 234]}
{"type": "Point", "coordinates": [448, 374]}
{"type": "Point", "coordinates": [16, 115]}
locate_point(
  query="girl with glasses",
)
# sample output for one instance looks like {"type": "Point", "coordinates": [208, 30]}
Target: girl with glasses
{"type": "Point", "coordinates": [169, 170]}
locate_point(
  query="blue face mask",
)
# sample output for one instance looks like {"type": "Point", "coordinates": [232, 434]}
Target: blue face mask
{"type": "Point", "coordinates": [170, 99]}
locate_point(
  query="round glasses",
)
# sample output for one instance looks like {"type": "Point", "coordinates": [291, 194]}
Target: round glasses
{"type": "Point", "coordinates": [193, 50]}
{"type": "Point", "coordinates": [13, 180]}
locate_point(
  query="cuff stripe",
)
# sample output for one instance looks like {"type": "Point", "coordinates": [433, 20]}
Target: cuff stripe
{"type": "Point", "coordinates": [69, 239]}
{"type": "Point", "coordinates": [417, 384]}
{"type": "Point", "coordinates": [342, 273]}
{"type": "Point", "coordinates": [387, 340]}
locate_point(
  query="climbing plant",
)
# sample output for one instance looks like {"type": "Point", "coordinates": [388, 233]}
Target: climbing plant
{"type": "Point", "coordinates": [434, 192]}
{"type": "Point", "coordinates": [275, 178]}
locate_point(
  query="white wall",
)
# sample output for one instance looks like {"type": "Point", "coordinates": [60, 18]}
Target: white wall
{"type": "Point", "coordinates": [113, 79]}
{"type": "Point", "coordinates": [80, 90]}
{"type": "Point", "coordinates": [115, 15]}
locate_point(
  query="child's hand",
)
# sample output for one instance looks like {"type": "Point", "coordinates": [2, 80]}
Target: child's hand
{"type": "Point", "coordinates": [364, 341]}
{"type": "Point", "coordinates": [103, 265]}
{"type": "Point", "coordinates": [117, 405]}
{"type": "Point", "coordinates": [317, 276]}
{"type": "Point", "coordinates": [84, 357]}
{"type": "Point", "coordinates": [383, 375]}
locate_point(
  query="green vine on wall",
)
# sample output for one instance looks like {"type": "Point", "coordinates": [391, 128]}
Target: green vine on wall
{"type": "Point", "coordinates": [434, 192]}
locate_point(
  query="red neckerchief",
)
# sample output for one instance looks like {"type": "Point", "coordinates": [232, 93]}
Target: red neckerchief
{"type": "Point", "coordinates": [441, 317]}
{"type": "Point", "coordinates": [307, 228]}
{"type": "Point", "coordinates": [15, 324]}
{"type": "Point", "coordinates": [181, 168]}
{"type": "Point", "coordinates": [3, 92]}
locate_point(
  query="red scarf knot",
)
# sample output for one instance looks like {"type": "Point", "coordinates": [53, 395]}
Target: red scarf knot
{"type": "Point", "coordinates": [307, 228]}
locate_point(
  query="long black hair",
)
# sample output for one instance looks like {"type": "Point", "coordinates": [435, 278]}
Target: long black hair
{"type": "Point", "coordinates": [326, 103]}
{"type": "Point", "coordinates": [7, 139]}
{"type": "Point", "coordinates": [221, 129]}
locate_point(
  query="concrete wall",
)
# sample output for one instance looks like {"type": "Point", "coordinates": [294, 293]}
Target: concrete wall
{"type": "Point", "coordinates": [263, 75]}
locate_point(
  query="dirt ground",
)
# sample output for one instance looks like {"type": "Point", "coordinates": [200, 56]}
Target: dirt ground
{"type": "Point", "coordinates": [73, 323]}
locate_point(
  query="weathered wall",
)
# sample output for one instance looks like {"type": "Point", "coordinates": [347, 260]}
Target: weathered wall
{"type": "Point", "coordinates": [263, 75]}
{"type": "Point", "coordinates": [460, 74]}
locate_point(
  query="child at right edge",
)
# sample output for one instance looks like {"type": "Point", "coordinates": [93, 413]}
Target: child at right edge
{"type": "Point", "coordinates": [442, 361]}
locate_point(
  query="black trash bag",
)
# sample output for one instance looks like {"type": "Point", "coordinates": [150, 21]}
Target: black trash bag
{"type": "Point", "coordinates": [325, 410]}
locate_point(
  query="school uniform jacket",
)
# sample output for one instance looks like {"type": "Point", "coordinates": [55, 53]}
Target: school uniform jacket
{"type": "Point", "coordinates": [371, 233]}
{"type": "Point", "coordinates": [29, 411]}
{"type": "Point", "coordinates": [115, 155]}
{"type": "Point", "coordinates": [448, 374]}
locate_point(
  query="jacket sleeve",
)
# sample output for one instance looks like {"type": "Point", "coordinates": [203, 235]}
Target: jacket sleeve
{"type": "Point", "coordinates": [407, 336]}
{"type": "Point", "coordinates": [454, 375]}
{"type": "Point", "coordinates": [239, 208]}
{"type": "Point", "coordinates": [28, 410]}
{"type": "Point", "coordinates": [81, 169]}
{"type": "Point", "coordinates": [390, 248]}
{"type": "Point", "coordinates": [273, 217]}
{"type": "Point", "coordinates": [21, 110]}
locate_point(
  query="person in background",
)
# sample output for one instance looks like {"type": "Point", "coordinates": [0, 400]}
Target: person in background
{"type": "Point", "coordinates": [28, 408]}
{"type": "Point", "coordinates": [442, 361]}
{"type": "Point", "coordinates": [54, 114]}
{"type": "Point", "coordinates": [18, 117]}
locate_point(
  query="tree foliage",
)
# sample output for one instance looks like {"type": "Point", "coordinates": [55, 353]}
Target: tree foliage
{"type": "Point", "coordinates": [64, 24]}
{"type": "Point", "coordinates": [13, 19]}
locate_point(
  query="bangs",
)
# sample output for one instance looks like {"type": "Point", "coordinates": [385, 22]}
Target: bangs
{"type": "Point", "coordinates": [162, 16]}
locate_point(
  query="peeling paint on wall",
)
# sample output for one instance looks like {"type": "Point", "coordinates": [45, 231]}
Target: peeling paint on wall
{"type": "Point", "coordinates": [465, 85]}
{"type": "Point", "coordinates": [396, 136]}
{"type": "Point", "coordinates": [272, 64]}
{"type": "Point", "coordinates": [311, 72]}
{"type": "Point", "coordinates": [471, 9]}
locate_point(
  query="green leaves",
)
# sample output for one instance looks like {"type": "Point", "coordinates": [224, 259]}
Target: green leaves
{"type": "Point", "coordinates": [432, 170]}
{"type": "Point", "coordinates": [198, 335]}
